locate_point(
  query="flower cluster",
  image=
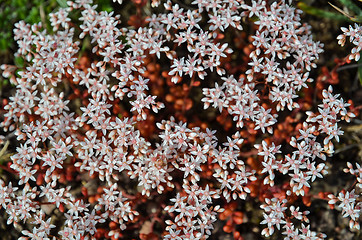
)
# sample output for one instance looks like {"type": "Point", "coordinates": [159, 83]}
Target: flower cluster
{"type": "Point", "coordinates": [349, 205]}
{"type": "Point", "coordinates": [195, 218]}
{"type": "Point", "coordinates": [98, 137]}
{"type": "Point", "coordinates": [284, 51]}
{"type": "Point", "coordinates": [348, 201]}
{"type": "Point", "coordinates": [275, 215]}
{"type": "Point", "coordinates": [355, 36]}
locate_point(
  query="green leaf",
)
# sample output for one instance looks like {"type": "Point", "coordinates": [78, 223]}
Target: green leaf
{"type": "Point", "coordinates": [322, 13]}
{"type": "Point", "coordinates": [107, 8]}
{"type": "Point", "coordinates": [33, 16]}
{"type": "Point", "coordinates": [352, 18]}
{"type": "Point", "coordinates": [351, 6]}
{"type": "Point", "coordinates": [4, 43]}
{"type": "Point", "coordinates": [62, 3]}
{"type": "Point", "coordinates": [19, 61]}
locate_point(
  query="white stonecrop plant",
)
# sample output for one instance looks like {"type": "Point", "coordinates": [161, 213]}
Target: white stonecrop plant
{"type": "Point", "coordinates": [354, 33]}
{"type": "Point", "coordinates": [112, 147]}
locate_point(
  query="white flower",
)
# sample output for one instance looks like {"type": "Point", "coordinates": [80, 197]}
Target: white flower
{"type": "Point", "coordinates": [119, 1]}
